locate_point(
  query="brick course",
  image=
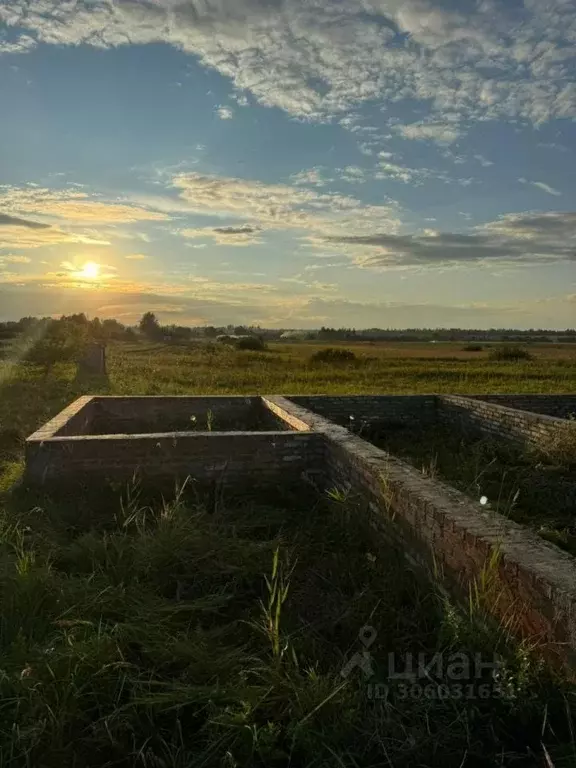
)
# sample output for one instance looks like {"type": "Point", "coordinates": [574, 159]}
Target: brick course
{"type": "Point", "coordinates": [370, 410]}
{"type": "Point", "coordinates": [561, 406]}
{"type": "Point", "coordinates": [437, 527]}
{"type": "Point", "coordinates": [499, 421]}
{"type": "Point", "coordinates": [232, 457]}
{"type": "Point", "coordinates": [454, 539]}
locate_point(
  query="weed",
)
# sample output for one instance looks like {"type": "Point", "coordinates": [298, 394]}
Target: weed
{"type": "Point", "coordinates": [538, 493]}
{"type": "Point", "coordinates": [251, 343]}
{"type": "Point", "coordinates": [334, 356]}
{"type": "Point", "coordinates": [559, 446]}
{"type": "Point", "coordinates": [509, 352]}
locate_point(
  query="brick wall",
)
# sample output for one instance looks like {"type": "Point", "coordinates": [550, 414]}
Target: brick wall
{"type": "Point", "coordinates": [521, 427]}
{"type": "Point", "coordinates": [370, 410]}
{"type": "Point", "coordinates": [237, 458]}
{"type": "Point", "coordinates": [73, 420]}
{"type": "Point", "coordinates": [140, 415]}
{"type": "Point", "coordinates": [561, 406]}
{"type": "Point", "coordinates": [436, 526]}
{"type": "Point", "coordinates": [534, 583]}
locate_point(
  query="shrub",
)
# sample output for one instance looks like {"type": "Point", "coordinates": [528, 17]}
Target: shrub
{"type": "Point", "coordinates": [473, 348]}
{"type": "Point", "coordinates": [225, 339]}
{"type": "Point", "coordinates": [510, 352]}
{"type": "Point", "coordinates": [252, 343]}
{"type": "Point", "coordinates": [333, 356]}
{"type": "Point", "coordinates": [560, 445]}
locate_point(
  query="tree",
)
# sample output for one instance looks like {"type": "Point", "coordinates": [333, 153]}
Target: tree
{"type": "Point", "coordinates": [63, 341]}
{"type": "Point", "coordinates": [149, 326]}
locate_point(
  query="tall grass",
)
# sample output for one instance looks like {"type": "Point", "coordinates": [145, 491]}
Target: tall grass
{"type": "Point", "coordinates": [141, 632]}
{"type": "Point", "coordinates": [532, 486]}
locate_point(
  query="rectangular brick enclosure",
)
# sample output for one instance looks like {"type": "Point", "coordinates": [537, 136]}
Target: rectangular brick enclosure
{"type": "Point", "coordinates": [231, 439]}
{"type": "Point", "coordinates": [275, 440]}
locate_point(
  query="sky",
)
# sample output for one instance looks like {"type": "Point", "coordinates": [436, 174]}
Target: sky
{"type": "Point", "coordinates": [290, 163]}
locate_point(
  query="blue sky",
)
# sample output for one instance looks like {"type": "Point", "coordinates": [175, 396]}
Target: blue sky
{"type": "Point", "coordinates": [289, 163]}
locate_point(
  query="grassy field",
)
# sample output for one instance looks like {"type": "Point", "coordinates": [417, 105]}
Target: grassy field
{"type": "Point", "coordinates": [180, 634]}
{"type": "Point", "coordinates": [28, 397]}
{"type": "Point", "coordinates": [135, 632]}
{"type": "Point", "coordinates": [530, 487]}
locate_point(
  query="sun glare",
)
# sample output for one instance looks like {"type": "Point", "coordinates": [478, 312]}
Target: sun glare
{"type": "Point", "coordinates": [90, 271]}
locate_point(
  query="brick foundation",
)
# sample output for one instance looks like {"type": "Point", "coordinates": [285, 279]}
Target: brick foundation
{"type": "Point", "coordinates": [438, 528]}
{"type": "Point", "coordinates": [561, 406]}
{"type": "Point", "coordinates": [443, 531]}
{"type": "Point", "coordinates": [500, 421]}
{"type": "Point", "coordinates": [233, 458]}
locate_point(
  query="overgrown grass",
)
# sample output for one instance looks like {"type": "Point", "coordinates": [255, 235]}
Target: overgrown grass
{"type": "Point", "coordinates": [510, 352]}
{"type": "Point", "coordinates": [29, 397]}
{"type": "Point", "coordinates": [189, 633]}
{"type": "Point", "coordinates": [535, 488]}
{"type": "Point", "coordinates": [142, 633]}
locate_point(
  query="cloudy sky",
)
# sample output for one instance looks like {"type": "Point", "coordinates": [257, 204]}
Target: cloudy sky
{"type": "Point", "coordinates": [290, 163]}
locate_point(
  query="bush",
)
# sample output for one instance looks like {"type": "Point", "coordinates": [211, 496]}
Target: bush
{"type": "Point", "coordinates": [225, 339]}
{"type": "Point", "coordinates": [252, 343]}
{"type": "Point", "coordinates": [560, 445]}
{"type": "Point", "coordinates": [333, 356]}
{"type": "Point", "coordinates": [510, 352]}
{"type": "Point", "coordinates": [473, 348]}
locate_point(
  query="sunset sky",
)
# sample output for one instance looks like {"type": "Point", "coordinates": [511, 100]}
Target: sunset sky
{"type": "Point", "coordinates": [290, 163]}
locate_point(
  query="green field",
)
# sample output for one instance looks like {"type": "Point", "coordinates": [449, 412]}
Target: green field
{"type": "Point", "coordinates": [28, 397]}
{"type": "Point", "coordinates": [137, 632]}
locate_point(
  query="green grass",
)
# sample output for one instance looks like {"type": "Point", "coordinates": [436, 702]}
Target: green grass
{"type": "Point", "coordinates": [140, 633]}
{"type": "Point", "coordinates": [289, 369]}
{"type": "Point", "coordinates": [530, 487]}
{"type": "Point", "coordinates": [29, 397]}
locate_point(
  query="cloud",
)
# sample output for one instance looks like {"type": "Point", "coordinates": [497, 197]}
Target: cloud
{"type": "Point", "coordinates": [441, 133]}
{"type": "Point", "coordinates": [23, 44]}
{"type": "Point", "coordinates": [22, 238]}
{"type": "Point", "coordinates": [238, 236]}
{"type": "Point", "coordinates": [272, 309]}
{"type": "Point", "coordinates": [241, 99]}
{"type": "Point", "coordinates": [484, 162]}
{"type": "Point", "coordinates": [514, 239]}
{"type": "Point", "coordinates": [12, 259]}
{"type": "Point", "coordinates": [387, 169]}
{"type": "Point", "coordinates": [135, 257]}
{"type": "Point", "coordinates": [68, 206]}
{"type": "Point", "coordinates": [278, 207]}
{"type": "Point", "coordinates": [353, 174]}
{"type": "Point", "coordinates": [541, 185]}
{"type": "Point", "coordinates": [311, 177]}
{"type": "Point", "coordinates": [245, 229]}
{"type": "Point", "coordinates": [14, 221]}
{"type": "Point", "coordinates": [315, 60]}
{"type": "Point", "coordinates": [64, 217]}
{"type": "Point", "coordinates": [225, 113]}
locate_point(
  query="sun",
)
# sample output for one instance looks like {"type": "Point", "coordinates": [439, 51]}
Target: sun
{"type": "Point", "coordinates": [90, 271]}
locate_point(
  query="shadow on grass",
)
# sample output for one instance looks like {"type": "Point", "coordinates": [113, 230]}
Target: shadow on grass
{"type": "Point", "coordinates": [91, 383]}
{"type": "Point", "coordinates": [28, 398]}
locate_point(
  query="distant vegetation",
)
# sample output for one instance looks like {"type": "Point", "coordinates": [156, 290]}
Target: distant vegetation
{"type": "Point", "coordinates": [510, 352]}
{"type": "Point", "coordinates": [332, 356]}
{"type": "Point", "coordinates": [150, 328]}
{"type": "Point", "coordinates": [159, 634]}
{"type": "Point", "coordinates": [251, 343]}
